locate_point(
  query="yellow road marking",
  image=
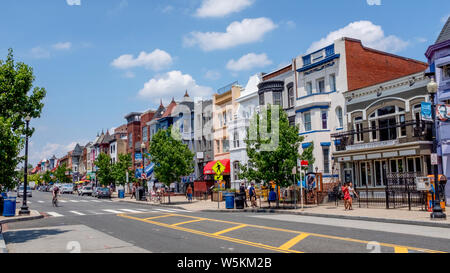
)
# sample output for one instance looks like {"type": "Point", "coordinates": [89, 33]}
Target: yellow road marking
{"type": "Point", "coordinates": [229, 229]}
{"type": "Point", "coordinates": [294, 241]}
{"type": "Point", "coordinates": [229, 239]}
{"type": "Point", "coordinates": [187, 222]}
{"type": "Point", "coordinates": [295, 232]}
{"type": "Point", "coordinates": [401, 250]}
{"type": "Point", "coordinates": [162, 216]}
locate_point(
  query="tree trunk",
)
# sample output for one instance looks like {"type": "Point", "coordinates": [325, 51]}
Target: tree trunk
{"type": "Point", "coordinates": [278, 196]}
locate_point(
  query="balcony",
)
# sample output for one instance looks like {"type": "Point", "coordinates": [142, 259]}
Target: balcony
{"type": "Point", "coordinates": [386, 136]}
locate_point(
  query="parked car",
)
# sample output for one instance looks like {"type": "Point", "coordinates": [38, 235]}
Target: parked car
{"type": "Point", "coordinates": [67, 189]}
{"type": "Point", "coordinates": [20, 191]}
{"type": "Point", "coordinates": [101, 193]}
{"type": "Point", "coordinates": [86, 190]}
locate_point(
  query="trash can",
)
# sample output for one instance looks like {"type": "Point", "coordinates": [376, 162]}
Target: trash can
{"type": "Point", "coordinates": [229, 200]}
{"type": "Point", "coordinates": [240, 201]}
{"type": "Point", "coordinates": [121, 194]}
{"type": "Point", "coordinates": [9, 207]}
{"type": "Point", "coordinates": [2, 200]}
{"type": "Point", "coordinates": [140, 194]}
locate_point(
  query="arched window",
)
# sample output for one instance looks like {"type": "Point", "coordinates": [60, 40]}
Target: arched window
{"type": "Point", "coordinates": [340, 117]}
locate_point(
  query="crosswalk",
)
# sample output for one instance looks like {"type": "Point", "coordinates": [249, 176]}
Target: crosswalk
{"type": "Point", "coordinates": [112, 211]}
{"type": "Point", "coordinates": [70, 201]}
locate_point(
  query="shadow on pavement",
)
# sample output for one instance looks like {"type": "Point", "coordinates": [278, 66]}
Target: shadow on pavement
{"type": "Point", "coordinates": [22, 236]}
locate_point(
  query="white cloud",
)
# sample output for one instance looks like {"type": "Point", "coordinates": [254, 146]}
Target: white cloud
{"type": "Point", "coordinates": [129, 75]}
{"type": "Point", "coordinates": [248, 62]}
{"type": "Point", "coordinates": [370, 34]}
{"type": "Point", "coordinates": [221, 8]}
{"type": "Point", "coordinates": [62, 46]}
{"type": "Point", "coordinates": [51, 149]}
{"type": "Point", "coordinates": [374, 2]}
{"type": "Point", "coordinates": [156, 60]}
{"type": "Point", "coordinates": [73, 2]}
{"type": "Point", "coordinates": [40, 53]}
{"type": "Point", "coordinates": [172, 84]}
{"type": "Point", "coordinates": [237, 33]}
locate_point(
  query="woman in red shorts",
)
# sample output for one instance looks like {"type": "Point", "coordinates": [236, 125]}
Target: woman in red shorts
{"type": "Point", "coordinates": [347, 196]}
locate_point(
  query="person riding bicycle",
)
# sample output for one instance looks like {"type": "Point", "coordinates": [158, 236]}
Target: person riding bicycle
{"type": "Point", "coordinates": [55, 193]}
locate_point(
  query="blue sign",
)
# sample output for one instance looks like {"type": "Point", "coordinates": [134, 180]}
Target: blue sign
{"type": "Point", "coordinates": [138, 157]}
{"type": "Point", "coordinates": [426, 111]}
{"type": "Point", "coordinates": [139, 173]}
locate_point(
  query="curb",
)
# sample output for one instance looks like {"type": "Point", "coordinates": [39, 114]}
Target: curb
{"type": "Point", "coordinates": [3, 248]}
{"type": "Point", "coordinates": [6, 221]}
{"type": "Point", "coordinates": [360, 218]}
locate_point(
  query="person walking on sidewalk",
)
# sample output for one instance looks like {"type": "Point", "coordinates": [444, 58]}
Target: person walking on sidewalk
{"type": "Point", "coordinates": [252, 195]}
{"type": "Point", "coordinates": [346, 192]}
{"type": "Point", "coordinates": [352, 193]}
{"type": "Point", "coordinates": [242, 192]}
{"type": "Point", "coordinates": [189, 193]}
{"type": "Point", "coordinates": [133, 191]}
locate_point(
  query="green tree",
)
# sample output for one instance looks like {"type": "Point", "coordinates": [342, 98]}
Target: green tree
{"type": "Point", "coordinates": [120, 168]}
{"type": "Point", "coordinates": [60, 174]}
{"type": "Point", "coordinates": [16, 100]}
{"type": "Point", "coordinates": [171, 157]}
{"type": "Point", "coordinates": [47, 178]}
{"type": "Point", "coordinates": [274, 164]}
{"type": "Point", "coordinates": [105, 171]}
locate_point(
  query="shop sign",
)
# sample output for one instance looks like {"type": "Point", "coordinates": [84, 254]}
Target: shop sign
{"type": "Point", "coordinates": [443, 112]}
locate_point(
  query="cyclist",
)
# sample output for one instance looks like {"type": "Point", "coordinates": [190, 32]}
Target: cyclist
{"type": "Point", "coordinates": [55, 195]}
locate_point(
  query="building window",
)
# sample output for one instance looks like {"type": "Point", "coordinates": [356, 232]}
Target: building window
{"type": "Point", "coordinates": [130, 140]}
{"type": "Point", "coordinates": [236, 170]}
{"type": "Point", "coordinates": [261, 99]}
{"type": "Point", "coordinates": [307, 121]}
{"type": "Point", "coordinates": [321, 85]}
{"type": "Point", "coordinates": [226, 145]}
{"type": "Point", "coordinates": [292, 121]}
{"type": "Point", "coordinates": [291, 97]}
{"type": "Point", "coordinates": [236, 139]}
{"type": "Point", "coordinates": [446, 72]}
{"type": "Point", "coordinates": [373, 127]}
{"type": "Point", "coordinates": [326, 160]}
{"type": "Point", "coordinates": [359, 129]}
{"type": "Point", "coordinates": [145, 134]}
{"type": "Point", "coordinates": [277, 99]}
{"type": "Point", "coordinates": [403, 127]}
{"type": "Point", "coordinates": [218, 146]}
{"type": "Point", "coordinates": [340, 117]}
{"type": "Point", "coordinates": [221, 119]}
{"type": "Point", "coordinates": [324, 115]}
{"type": "Point", "coordinates": [308, 88]}
{"type": "Point", "coordinates": [332, 83]}
{"type": "Point", "coordinates": [224, 118]}
{"type": "Point", "coordinates": [307, 60]}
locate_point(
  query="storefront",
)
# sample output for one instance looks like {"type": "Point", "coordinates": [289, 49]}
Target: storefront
{"type": "Point", "coordinates": [210, 173]}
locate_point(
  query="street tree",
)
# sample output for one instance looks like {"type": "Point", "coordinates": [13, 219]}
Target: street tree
{"type": "Point", "coordinates": [105, 171]}
{"type": "Point", "coordinates": [62, 174]}
{"type": "Point", "coordinates": [274, 164]}
{"type": "Point", "coordinates": [47, 178]}
{"type": "Point", "coordinates": [17, 102]}
{"type": "Point", "coordinates": [171, 157]}
{"type": "Point", "coordinates": [120, 169]}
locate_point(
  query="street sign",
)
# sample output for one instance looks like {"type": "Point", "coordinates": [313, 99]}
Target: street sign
{"type": "Point", "coordinates": [294, 170]}
{"type": "Point", "coordinates": [426, 111]}
{"type": "Point", "coordinates": [218, 177]}
{"type": "Point", "coordinates": [434, 159]}
{"type": "Point", "coordinates": [218, 168]}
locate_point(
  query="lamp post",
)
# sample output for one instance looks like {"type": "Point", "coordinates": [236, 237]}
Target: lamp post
{"type": "Point", "coordinates": [24, 209]}
{"type": "Point", "coordinates": [437, 210]}
{"type": "Point", "coordinates": [143, 163]}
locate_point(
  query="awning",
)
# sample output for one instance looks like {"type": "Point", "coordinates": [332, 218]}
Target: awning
{"type": "Point", "coordinates": [208, 168]}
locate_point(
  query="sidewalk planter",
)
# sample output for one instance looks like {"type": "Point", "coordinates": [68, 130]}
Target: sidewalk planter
{"type": "Point", "coordinates": [9, 207]}
{"type": "Point", "coordinates": [229, 200]}
{"type": "Point", "coordinates": [217, 196]}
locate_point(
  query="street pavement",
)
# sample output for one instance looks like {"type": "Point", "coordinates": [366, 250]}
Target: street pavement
{"type": "Point", "coordinates": [134, 227]}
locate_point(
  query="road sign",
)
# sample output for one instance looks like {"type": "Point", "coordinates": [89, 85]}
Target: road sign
{"type": "Point", "coordinates": [218, 168]}
{"type": "Point", "coordinates": [434, 159]}
{"type": "Point", "coordinates": [218, 177]}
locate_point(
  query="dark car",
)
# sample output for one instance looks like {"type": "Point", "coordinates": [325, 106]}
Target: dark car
{"type": "Point", "coordinates": [102, 193]}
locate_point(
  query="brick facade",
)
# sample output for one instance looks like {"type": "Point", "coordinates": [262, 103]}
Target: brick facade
{"type": "Point", "coordinates": [366, 67]}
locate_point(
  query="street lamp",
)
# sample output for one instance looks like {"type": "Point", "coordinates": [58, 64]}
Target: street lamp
{"type": "Point", "coordinates": [24, 209]}
{"type": "Point", "coordinates": [437, 210]}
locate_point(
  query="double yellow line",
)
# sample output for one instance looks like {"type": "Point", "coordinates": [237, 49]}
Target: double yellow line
{"type": "Point", "coordinates": [285, 248]}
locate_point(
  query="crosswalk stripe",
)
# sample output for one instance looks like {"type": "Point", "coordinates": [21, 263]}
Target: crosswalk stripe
{"type": "Point", "coordinates": [74, 201]}
{"type": "Point", "coordinates": [143, 210]}
{"type": "Point", "coordinates": [96, 201]}
{"type": "Point", "coordinates": [54, 214]}
{"type": "Point", "coordinates": [181, 210]}
{"type": "Point", "coordinates": [77, 213]}
{"type": "Point", "coordinates": [112, 211]}
{"type": "Point", "coordinates": [62, 201]}
{"type": "Point", "coordinates": [41, 202]}
{"type": "Point", "coordinates": [96, 213]}
{"type": "Point", "coordinates": [165, 210]}
{"type": "Point", "coordinates": [84, 201]}
{"type": "Point", "coordinates": [131, 210]}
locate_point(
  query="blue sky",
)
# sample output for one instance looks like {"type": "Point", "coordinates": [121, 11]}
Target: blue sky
{"type": "Point", "coordinates": [101, 59]}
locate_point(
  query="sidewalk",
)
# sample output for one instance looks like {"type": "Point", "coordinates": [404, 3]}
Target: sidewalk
{"type": "Point", "coordinates": [34, 214]}
{"type": "Point", "coordinates": [398, 216]}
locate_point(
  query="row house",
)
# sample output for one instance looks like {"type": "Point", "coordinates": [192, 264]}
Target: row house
{"type": "Point", "coordinates": [323, 78]}
{"type": "Point", "coordinates": [438, 56]}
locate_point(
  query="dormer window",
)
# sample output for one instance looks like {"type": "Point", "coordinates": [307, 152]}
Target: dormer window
{"type": "Point", "coordinates": [317, 56]}
{"type": "Point", "coordinates": [307, 60]}
{"type": "Point", "coordinates": [446, 72]}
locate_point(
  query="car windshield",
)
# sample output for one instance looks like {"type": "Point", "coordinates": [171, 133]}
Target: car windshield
{"type": "Point", "coordinates": [88, 188]}
{"type": "Point", "coordinates": [104, 189]}
{"type": "Point", "coordinates": [21, 188]}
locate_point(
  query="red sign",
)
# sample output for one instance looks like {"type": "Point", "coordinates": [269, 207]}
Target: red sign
{"type": "Point", "coordinates": [304, 163]}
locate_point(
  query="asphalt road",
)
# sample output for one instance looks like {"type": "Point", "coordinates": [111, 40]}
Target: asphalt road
{"type": "Point", "coordinates": [162, 230]}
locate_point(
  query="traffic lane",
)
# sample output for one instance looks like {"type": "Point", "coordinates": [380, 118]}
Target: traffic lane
{"type": "Point", "coordinates": [151, 238]}
{"type": "Point", "coordinates": [356, 238]}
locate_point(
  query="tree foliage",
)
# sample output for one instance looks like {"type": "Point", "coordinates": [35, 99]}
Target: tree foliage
{"type": "Point", "coordinates": [277, 163]}
{"type": "Point", "coordinates": [105, 171]}
{"type": "Point", "coordinates": [60, 174]}
{"type": "Point", "coordinates": [171, 157]}
{"type": "Point", "coordinates": [120, 168]}
{"type": "Point", "coordinates": [16, 82]}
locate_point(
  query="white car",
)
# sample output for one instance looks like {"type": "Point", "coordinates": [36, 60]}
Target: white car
{"type": "Point", "coordinates": [20, 192]}
{"type": "Point", "coordinates": [67, 189]}
{"type": "Point", "coordinates": [86, 190]}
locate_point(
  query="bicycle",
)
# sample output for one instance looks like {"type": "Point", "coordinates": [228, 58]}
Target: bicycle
{"type": "Point", "coordinates": [55, 201]}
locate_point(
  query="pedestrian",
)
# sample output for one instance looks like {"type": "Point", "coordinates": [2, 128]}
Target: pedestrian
{"type": "Point", "coordinates": [272, 196]}
{"type": "Point", "coordinates": [252, 195]}
{"type": "Point", "coordinates": [133, 191]}
{"type": "Point", "coordinates": [346, 192]}
{"type": "Point", "coordinates": [353, 194]}
{"type": "Point", "coordinates": [189, 193]}
{"type": "Point", "coordinates": [243, 193]}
